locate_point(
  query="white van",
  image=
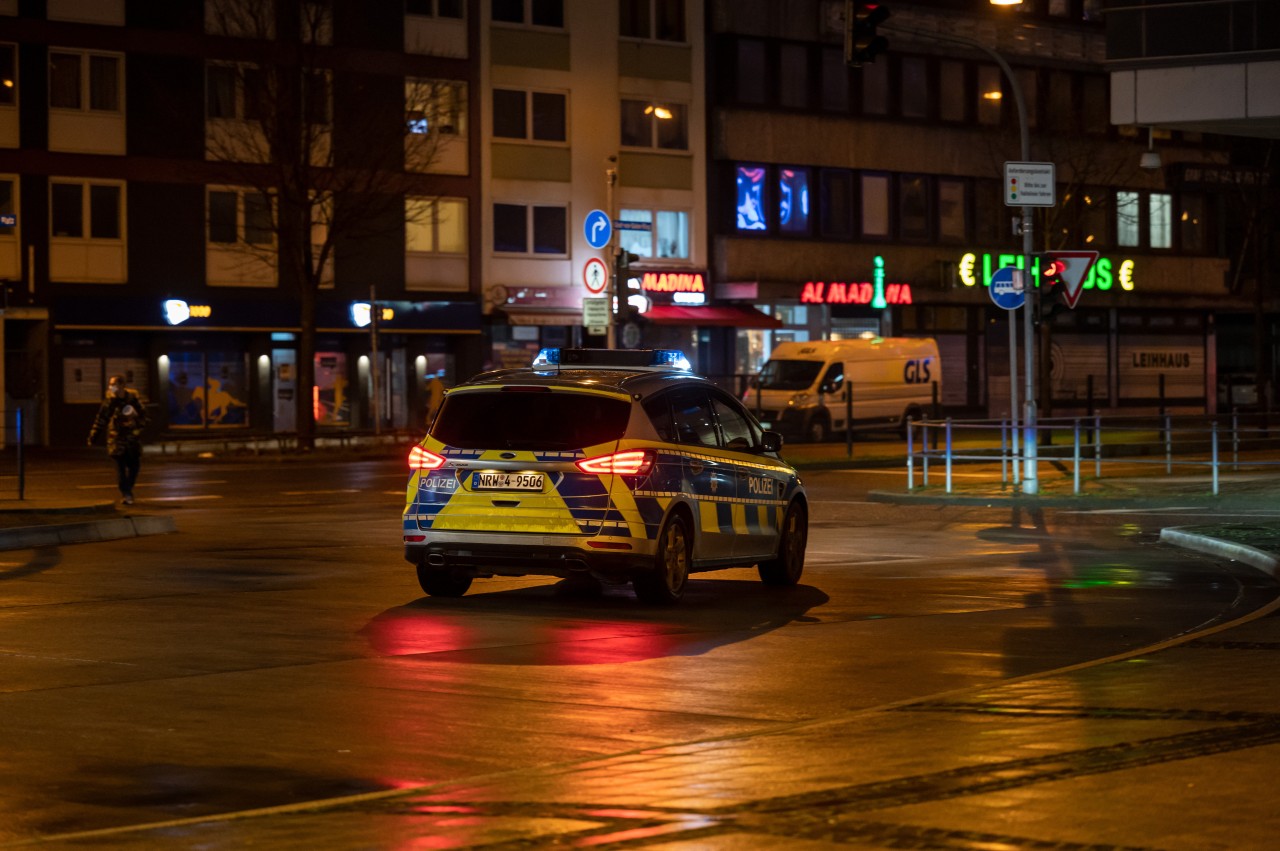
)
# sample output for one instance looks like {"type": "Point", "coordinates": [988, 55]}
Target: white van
{"type": "Point", "coordinates": [801, 390]}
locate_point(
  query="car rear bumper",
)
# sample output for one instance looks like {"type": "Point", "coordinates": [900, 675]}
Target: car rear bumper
{"type": "Point", "coordinates": [532, 555]}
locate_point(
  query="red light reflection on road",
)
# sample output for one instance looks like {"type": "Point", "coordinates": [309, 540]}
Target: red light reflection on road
{"type": "Point", "coordinates": [602, 643]}
{"type": "Point", "coordinates": [410, 634]}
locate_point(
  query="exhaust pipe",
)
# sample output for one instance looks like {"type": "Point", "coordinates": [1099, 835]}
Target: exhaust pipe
{"type": "Point", "coordinates": [435, 559]}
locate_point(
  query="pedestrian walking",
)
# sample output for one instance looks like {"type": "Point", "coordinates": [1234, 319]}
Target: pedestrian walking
{"type": "Point", "coordinates": [122, 418]}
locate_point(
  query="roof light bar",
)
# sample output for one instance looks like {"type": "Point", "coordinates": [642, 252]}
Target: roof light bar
{"type": "Point", "coordinates": [662, 358]}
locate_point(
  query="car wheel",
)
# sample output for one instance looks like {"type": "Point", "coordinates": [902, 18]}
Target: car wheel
{"type": "Point", "coordinates": [664, 583]}
{"type": "Point", "coordinates": [442, 582]}
{"type": "Point", "coordinates": [818, 431]}
{"type": "Point", "coordinates": [786, 568]}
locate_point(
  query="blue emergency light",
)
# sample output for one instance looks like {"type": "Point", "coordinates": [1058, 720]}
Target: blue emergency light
{"type": "Point", "coordinates": [659, 358]}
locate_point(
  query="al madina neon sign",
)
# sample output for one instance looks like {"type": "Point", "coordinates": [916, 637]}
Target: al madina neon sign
{"type": "Point", "coordinates": [1104, 275]}
{"type": "Point", "coordinates": [877, 292]}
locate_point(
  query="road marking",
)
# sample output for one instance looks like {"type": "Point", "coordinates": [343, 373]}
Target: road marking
{"type": "Point", "coordinates": [309, 493]}
{"type": "Point", "coordinates": [187, 498]}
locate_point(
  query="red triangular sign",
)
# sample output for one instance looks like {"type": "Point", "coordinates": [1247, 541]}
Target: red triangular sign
{"type": "Point", "coordinates": [1075, 268]}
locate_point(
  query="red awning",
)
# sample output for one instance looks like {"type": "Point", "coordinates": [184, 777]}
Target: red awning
{"type": "Point", "coordinates": [720, 314]}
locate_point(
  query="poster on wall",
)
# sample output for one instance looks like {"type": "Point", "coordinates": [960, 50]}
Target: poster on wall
{"type": "Point", "coordinates": [332, 404]}
{"type": "Point", "coordinates": [82, 380]}
{"type": "Point", "coordinates": [207, 390]}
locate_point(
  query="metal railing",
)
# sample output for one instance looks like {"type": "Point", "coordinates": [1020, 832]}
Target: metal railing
{"type": "Point", "coordinates": [1203, 444]}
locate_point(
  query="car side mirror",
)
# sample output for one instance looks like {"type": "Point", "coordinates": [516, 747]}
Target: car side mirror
{"type": "Point", "coordinates": [771, 442]}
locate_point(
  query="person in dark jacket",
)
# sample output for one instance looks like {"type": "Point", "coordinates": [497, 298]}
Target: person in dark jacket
{"type": "Point", "coordinates": [122, 417]}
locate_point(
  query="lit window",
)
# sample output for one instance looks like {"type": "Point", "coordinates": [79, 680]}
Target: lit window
{"type": "Point", "coordinates": [751, 197]}
{"type": "Point", "coordinates": [793, 200]}
{"type": "Point", "coordinates": [1160, 220]}
{"type": "Point", "coordinates": [8, 74]}
{"type": "Point", "coordinates": [437, 226]}
{"type": "Point", "coordinates": [875, 205]}
{"type": "Point", "coordinates": [436, 105]}
{"type": "Point", "coordinates": [653, 125]}
{"type": "Point", "coordinates": [1127, 215]}
{"type": "Point", "coordinates": [953, 206]}
{"type": "Point", "coordinates": [667, 235]}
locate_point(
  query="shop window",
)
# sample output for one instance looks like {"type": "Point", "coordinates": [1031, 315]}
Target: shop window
{"type": "Point", "coordinates": [652, 125]}
{"type": "Point", "coordinates": [913, 207]}
{"type": "Point", "coordinates": [434, 8]}
{"type": "Point", "coordinates": [835, 80]}
{"type": "Point", "coordinates": [836, 203]}
{"type": "Point", "coordinates": [793, 200]}
{"type": "Point", "coordinates": [1160, 220]}
{"type": "Point", "coordinates": [539, 116]}
{"type": "Point", "coordinates": [875, 205]}
{"type": "Point", "coordinates": [207, 389]}
{"type": "Point", "coordinates": [915, 87]}
{"type": "Point", "coordinates": [1127, 219]}
{"type": "Point", "coordinates": [436, 226]}
{"type": "Point", "coordinates": [514, 223]}
{"type": "Point", "coordinates": [751, 201]}
{"type": "Point", "coordinates": [751, 81]}
{"type": "Point", "coordinates": [667, 238]}
{"type": "Point", "coordinates": [539, 13]}
{"type": "Point", "coordinates": [662, 20]}
{"type": "Point", "coordinates": [85, 81]}
{"type": "Point", "coordinates": [953, 210]}
{"type": "Point", "coordinates": [1191, 225]}
{"type": "Point", "coordinates": [951, 91]}
{"type": "Point", "coordinates": [793, 75]}
{"type": "Point", "coordinates": [331, 401]}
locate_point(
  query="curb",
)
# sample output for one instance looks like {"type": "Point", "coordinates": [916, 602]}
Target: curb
{"type": "Point", "coordinates": [1040, 501]}
{"type": "Point", "coordinates": [88, 532]}
{"type": "Point", "coordinates": [1252, 556]}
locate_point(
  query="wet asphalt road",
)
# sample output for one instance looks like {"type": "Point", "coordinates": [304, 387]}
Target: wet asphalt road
{"type": "Point", "coordinates": [276, 653]}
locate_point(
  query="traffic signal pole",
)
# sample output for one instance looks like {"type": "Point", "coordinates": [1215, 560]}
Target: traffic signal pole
{"type": "Point", "coordinates": [1030, 477]}
{"type": "Point", "coordinates": [611, 332]}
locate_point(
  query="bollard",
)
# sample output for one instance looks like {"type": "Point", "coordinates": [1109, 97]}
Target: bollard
{"type": "Point", "coordinates": [22, 464]}
{"type": "Point", "coordinates": [1076, 456]}
{"type": "Point", "coordinates": [1004, 455]}
{"type": "Point", "coordinates": [1235, 440]}
{"type": "Point", "coordinates": [1214, 440]}
{"type": "Point", "coordinates": [1168, 437]}
{"type": "Point", "coordinates": [848, 418]}
{"type": "Point", "coordinates": [948, 454]}
{"type": "Point", "coordinates": [1097, 447]}
{"type": "Point", "coordinates": [911, 456]}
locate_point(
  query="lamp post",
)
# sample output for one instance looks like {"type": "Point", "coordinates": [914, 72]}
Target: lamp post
{"type": "Point", "coordinates": [1030, 480]}
{"type": "Point", "coordinates": [610, 179]}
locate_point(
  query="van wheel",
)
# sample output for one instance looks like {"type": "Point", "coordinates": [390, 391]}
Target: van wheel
{"type": "Point", "coordinates": [442, 582]}
{"type": "Point", "coordinates": [786, 568]}
{"type": "Point", "coordinates": [818, 430]}
{"type": "Point", "coordinates": [664, 584]}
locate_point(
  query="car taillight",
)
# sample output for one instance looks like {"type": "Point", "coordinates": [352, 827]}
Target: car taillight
{"type": "Point", "coordinates": [421, 459]}
{"type": "Point", "coordinates": [633, 462]}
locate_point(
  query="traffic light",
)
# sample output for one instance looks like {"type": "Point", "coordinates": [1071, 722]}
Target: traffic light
{"type": "Point", "coordinates": [622, 267]}
{"type": "Point", "coordinates": [1049, 271]}
{"type": "Point", "coordinates": [861, 43]}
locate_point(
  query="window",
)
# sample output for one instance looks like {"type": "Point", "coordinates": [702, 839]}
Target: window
{"type": "Point", "coordinates": [953, 207]}
{"type": "Point", "coordinates": [240, 216]}
{"type": "Point", "coordinates": [315, 98]}
{"type": "Point", "coordinates": [9, 75]}
{"type": "Point", "coordinates": [86, 210]}
{"type": "Point", "coordinates": [1191, 225]}
{"type": "Point", "coordinates": [735, 428]}
{"type": "Point", "coordinates": [750, 180]}
{"type": "Point", "coordinates": [915, 87]}
{"type": "Point", "coordinates": [208, 390]}
{"type": "Point", "coordinates": [73, 74]}
{"type": "Point", "coordinates": [1160, 220]}
{"type": "Point", "coordinates": [437, 226]}
{"type": "Point", "coordinates": [793, 200]}
{"type": "Point", "coordinates": [875, 88]}
{"type": "Point", "coordinates": [662, 20]}
{"type": "Point", "coordinates": [239, 92]}
{"type": "Point", "coordinates": [513, 223]}
{"type": "Point", "coordinates": [875, 205]}
{"type": "Point", "coordinates": [439, 106]}
{"type": "Point", "coordinates": [913, 207]}
{"type": "Point", "coordinates": [990, 94]}
{"type": "Point", "coordinates": [1030, 100]}
{"type": "Point", "coordinates": [434, 8]}
{"type": "Point", "coordinates": [1127, 212]}
{"type": "Point", "coordinates": [651, 125]}
{"type": "Point", "coordinates": [539, 13]}
{"type": "Point", "coordinates": [540, 116]}
{"type": "Point", "coordinates": [694, 421]}
{"type": "Point", "coordinates": [835, 81]}
{"type": "Point", "coordinates": [951, 91]}
{"type": "Point", "coordinates": [793, 76]}
{"type": "Point", "coordinates": [1096, 113]}
{"type": "Point", "coordinates": [667, 237]}
{"type": "Point", "coordinates": [1061, 115]}
{"type": "Point", "coordinates": [1093, 219]}
{"type": "Point", "coordinates": [836, 203]}
{"type": "Point", "coordinates": [750, 71]}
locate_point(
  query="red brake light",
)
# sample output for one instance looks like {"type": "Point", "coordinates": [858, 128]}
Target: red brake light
{"type": "Point", "coordinates": [633, 462]}
{"type": "Point", "coordinates": [421, 459]}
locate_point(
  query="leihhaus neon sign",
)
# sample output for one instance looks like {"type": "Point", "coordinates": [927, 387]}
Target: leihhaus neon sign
{"type": "Point", "coordinates": [1103, 276]}
{"type": "Point", "coordinates": [876, 292]}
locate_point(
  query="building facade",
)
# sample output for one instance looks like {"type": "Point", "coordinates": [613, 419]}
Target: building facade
{"type": "Point", "coordinates": [872, 199]}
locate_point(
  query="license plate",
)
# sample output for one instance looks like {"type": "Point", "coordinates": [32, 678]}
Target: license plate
{"type": "Point", "coordinates": [507, 481]}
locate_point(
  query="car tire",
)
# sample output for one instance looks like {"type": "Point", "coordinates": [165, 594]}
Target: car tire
{"type": "Point", "coordinates": [442, 582]}
{"type": "Point", "coordinates": [818, 432]}
{"type": "Point", "coordinates": [788, 565]}
{"type": "Point", "coordinates": [664, 584]}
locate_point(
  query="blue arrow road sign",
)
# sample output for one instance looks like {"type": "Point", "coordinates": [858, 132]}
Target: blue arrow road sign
{"type": "Point", "coordinates": [1006, 288]}
{"type": "Point", "coordinates": [597, 228]}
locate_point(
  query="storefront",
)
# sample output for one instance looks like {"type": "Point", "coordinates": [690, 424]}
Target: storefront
{"type": "Point", "coordinates": [230, 365]}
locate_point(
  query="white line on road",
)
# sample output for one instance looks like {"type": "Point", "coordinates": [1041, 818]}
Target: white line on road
{"type": "Point", "coordinates": [187, 498]}
{"type": "Point", "coordinates": [309, 493]}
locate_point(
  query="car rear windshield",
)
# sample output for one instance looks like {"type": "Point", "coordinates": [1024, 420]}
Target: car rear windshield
{"type": "Point", "coordinates": [789, 374]}
{"type": "Point", "coordinates": [534, 419]}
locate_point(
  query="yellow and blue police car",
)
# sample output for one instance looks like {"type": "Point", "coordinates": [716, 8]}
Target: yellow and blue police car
{"type": "Point", "coordinates": [606, 466]}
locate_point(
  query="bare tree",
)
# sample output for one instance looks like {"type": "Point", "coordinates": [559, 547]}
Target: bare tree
{"type": "Point", "coordinates": [312, 153]}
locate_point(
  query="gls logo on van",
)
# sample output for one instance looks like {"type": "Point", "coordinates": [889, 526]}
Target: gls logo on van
{"type": "Point", "coordinates": [916, 371]}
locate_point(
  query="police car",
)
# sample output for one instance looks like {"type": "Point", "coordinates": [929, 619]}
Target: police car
{"type": "Point", "coordinates": [608, 466]}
